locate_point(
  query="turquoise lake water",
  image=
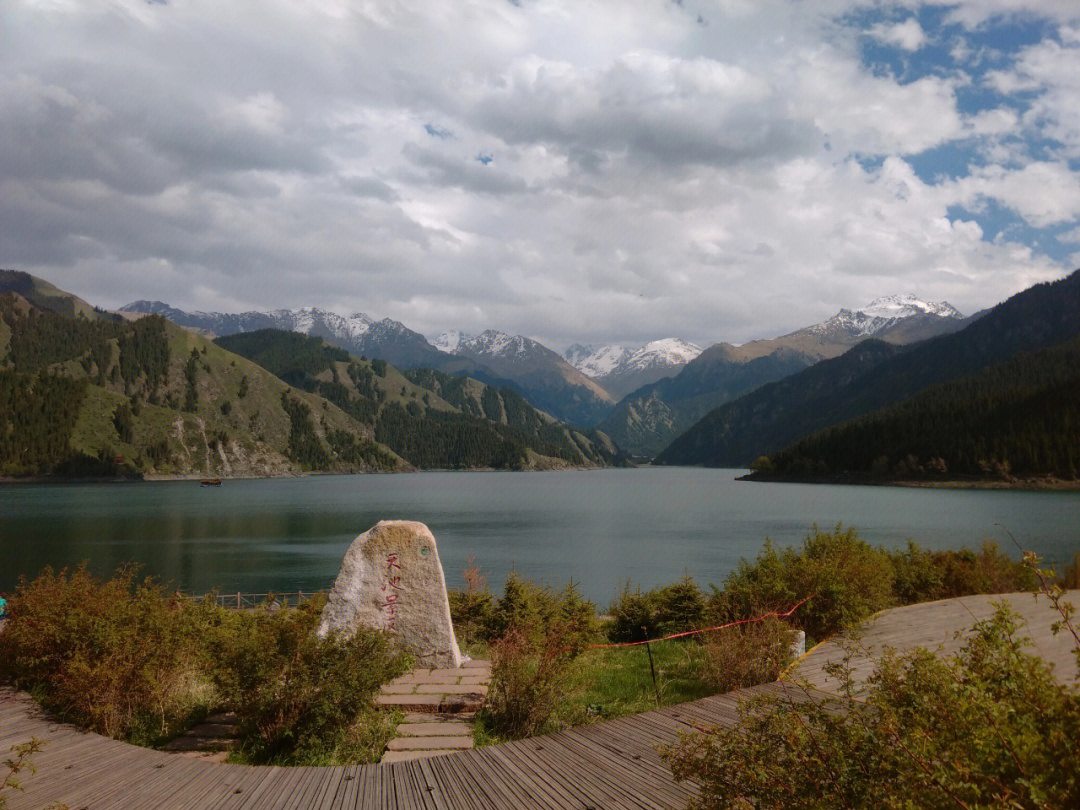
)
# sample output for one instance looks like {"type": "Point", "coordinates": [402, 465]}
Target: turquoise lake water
{"type": "Point", "coordinates": [600, 528]}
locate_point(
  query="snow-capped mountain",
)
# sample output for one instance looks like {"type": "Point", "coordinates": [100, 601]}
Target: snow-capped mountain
{"type": "Point", "coordinates": [548, 381]}
{"type": "Point", "coordinates": [650, 417]}
{"type": "Point", "coordinates": [883, 313]}
{"type": "Point", "coordinates": [621, 370]}
{"type": "Point", "coordinates": [358, 333]}
{"type": "Point", "coordinates": [904, 306]}
{"type": "Point", "coordinates": [449, 341]}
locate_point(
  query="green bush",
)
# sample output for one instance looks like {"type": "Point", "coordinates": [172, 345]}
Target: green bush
{"type": "Point", "coordinates": [748, 654]}
{"type": "Point", "coordinates": [536, 610]}
{"type": "Point", "coordinates": [536, 636]}
{"type": "Point", "coordinates": [116, 656]}
{"type": "Point", "coordinates": [989, 728]}
{"type": "Point", "coordinates": [529, 679]}
{"type": "Point", "coordinates": [923, 576]}
{"type": "Point", "coordinates": [848, 579]}
{"type": "Point", "coordinates": [302, 699]}
{"type": "Point", "coordinates": [473, 609]}
{"type": "Point", "coordinates": [674, 608]}
{"type": "Point", "coordinates": [123, 658]}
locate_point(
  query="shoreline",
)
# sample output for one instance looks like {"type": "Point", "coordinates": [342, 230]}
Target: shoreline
{"type": "Point", "coordinates": [152, 478]}
{"type": "Point", "coordinates": [1047, 484]}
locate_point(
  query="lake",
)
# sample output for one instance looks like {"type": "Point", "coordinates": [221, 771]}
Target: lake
{"type": "Point", "coordinates": [600, 528]}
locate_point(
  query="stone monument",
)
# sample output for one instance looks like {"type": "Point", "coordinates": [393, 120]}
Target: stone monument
{"type": "Point", "coordinates": [391, 580]}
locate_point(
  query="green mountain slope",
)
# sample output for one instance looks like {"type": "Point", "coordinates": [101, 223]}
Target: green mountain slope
{"type": "Point", "coordinates": [102, 396]}
{"type": "Point", "coordinates": [1017, 418]}
{"type": "Point", "coordinates": [432, 419]}
{"type": "Point", "coordinates": [647, 420]}
{"type": "Point", "coordinates": [875, 375]}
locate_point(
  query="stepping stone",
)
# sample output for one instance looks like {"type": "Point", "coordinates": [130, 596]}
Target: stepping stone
{"type": "Point", "coordinates": [430, 717]}
{"type": "Point", "coordinates": [400, 688]}
{"type": "Point", "coordinates": [429, 743]}
{"type": "Point", "coordinates": [221, 730]}
{"type": "Point", "coordinates": [477, 664]}
{"type": "Point", "coordinates": [459, 704]}
{"type": "Point", "coordinates": [443, 676]}
{"type": "Point", "coordinates": [405, 756]}
{"type": "Point", "coordinates": [189, 742]}
{"type": "Point", "coordinates": [204, 756]}
{"type": "Point", "coordinates": [414, 703]}
{"type": "Point", "coordinates": [450, 689]}
{"type": "Point", "coordinates": [435, 729]}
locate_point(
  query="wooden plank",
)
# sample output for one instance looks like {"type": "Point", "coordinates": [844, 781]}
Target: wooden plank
{"type": "Point", "coordinates": [488, 780]}
{"type": "Point", "coordinates": [540, 790]}
{"type": "Point", "coordinates": [553, 782]}
{"type": "Point", "coordinates": [350, 784]}
{"type": "Point", "coordinates": [622, 782]}
{"type": "Point", "coordinates": [461, 783]}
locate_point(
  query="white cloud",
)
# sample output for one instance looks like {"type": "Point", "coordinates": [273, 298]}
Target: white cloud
{"type": "Point", "coordinates": [650, 173]}
{"type": "Point", "coordinates": [908, 34]}
{"type": "Point", "coordinates": [1042, 193]}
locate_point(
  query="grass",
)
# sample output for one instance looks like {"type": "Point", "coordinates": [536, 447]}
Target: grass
{"type": "Point", "coordinates": [617, 682]}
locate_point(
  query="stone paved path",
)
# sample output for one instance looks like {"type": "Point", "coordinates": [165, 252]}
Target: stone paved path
{"type": "Point", "coordinates": [212, 739]}
{"type": "Point", "coordinates": [439, 706]}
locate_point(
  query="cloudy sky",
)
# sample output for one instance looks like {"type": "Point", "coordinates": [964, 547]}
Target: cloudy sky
{"type": "Point", "coordinates": [573, 171]}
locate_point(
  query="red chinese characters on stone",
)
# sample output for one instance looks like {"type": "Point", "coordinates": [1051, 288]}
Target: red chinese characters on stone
{"type": "Point", "coordinates": [391, 590]}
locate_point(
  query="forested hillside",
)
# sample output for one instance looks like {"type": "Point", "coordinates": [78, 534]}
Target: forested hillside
{"type": "Point", "coordinates": [431, 419]}
{"type": "Point", "coordinates": [647, 420]}
{"type": "Point", "coordinates": [85, 393]}
{"type": "Point", "coordinates": [1017, 419]}
{"type": "Point", "coordinates": [876, 375]}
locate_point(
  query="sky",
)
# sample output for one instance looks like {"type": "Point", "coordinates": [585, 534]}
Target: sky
{"type": "Point", "coordinates": [578, 171]}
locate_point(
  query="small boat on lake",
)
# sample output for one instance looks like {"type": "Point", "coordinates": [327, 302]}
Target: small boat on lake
{"type": "Point", "coordinates": [210, 482]}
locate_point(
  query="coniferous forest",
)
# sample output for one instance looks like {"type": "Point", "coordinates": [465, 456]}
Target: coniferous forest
{"type": "Point", "coordinates": [429, 418]}
{"type": "Point", "coordinates": [1017, 419]}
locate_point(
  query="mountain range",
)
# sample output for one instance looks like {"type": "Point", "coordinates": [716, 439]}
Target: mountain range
{"type": "Point", "coordinates": [621, 370]}
{"type": "Point", "coordinates": [647, 420]}
{"type": "Point", "coordinates": [631, 393]}
{"type": "Point", "coordinates": [538, 373]}
{"type": "Point", "coordinates": [875, 375]}
{"type": "Point", "coordinates": [85, 392]}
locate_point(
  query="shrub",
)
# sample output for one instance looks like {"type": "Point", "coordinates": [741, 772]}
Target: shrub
{"type": "Point", "coordinates": [538, 611]}
{"type": "Point", "coordinates": [848, 579]}
{"type": "Point", "coordinates": [1071, 577]}
{"type": "Point", "coordinates": [990, 728]}
{"type": "Point", "coordinates": [307, 698]}
{"type": "Point", "coordinates": [529, 680]}
{"type": "Point", "coordinates": [659, 612]}
{"type": "Point", "coordinates": [473, 609]}
{"type": "Point", "coordinates": [18, 760]}
{"type": "Point", "coordinates": [544, 633]}
{"type": "Point", "coordinates": [922, 576]}
{"type": "Point", "coordinates": [748, 654]}
{"type": "Point", "coordinates": [114, 656]}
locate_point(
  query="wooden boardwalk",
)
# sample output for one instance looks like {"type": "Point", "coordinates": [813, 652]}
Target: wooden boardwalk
{"type": "Point", "coordinates": [613, 764]}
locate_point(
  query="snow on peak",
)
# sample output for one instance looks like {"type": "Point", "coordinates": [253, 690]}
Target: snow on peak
{"type": "Point", "coordinates": [450, 342]}
{"type": "Point", "coordinates": [904, 306]}
{"type": "Point", "coordinates": [606, 360]}
{"type": "Point", "coordinates": [596, 362]}
{"type": "Point", "coordinates": [672, 351]}
{"type": "Point", "coordinates": [490, 343]}
{"type": "Point", "coordinates": [493, 343]}
{"type": "Point", "coordinates": [882, 313]}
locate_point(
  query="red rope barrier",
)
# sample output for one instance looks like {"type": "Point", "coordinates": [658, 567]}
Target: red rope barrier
{"type": "Point", "coordinates": [761, 618]}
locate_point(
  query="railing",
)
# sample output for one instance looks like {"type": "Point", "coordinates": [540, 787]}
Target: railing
{"type": "Point", "coordinates": [242, 601]}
